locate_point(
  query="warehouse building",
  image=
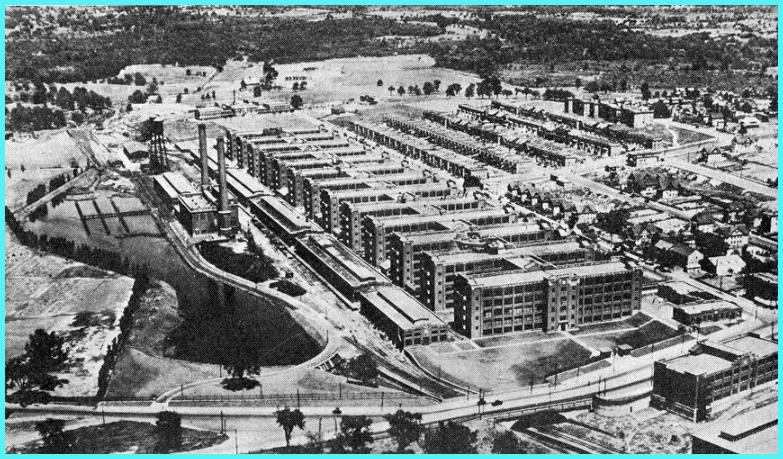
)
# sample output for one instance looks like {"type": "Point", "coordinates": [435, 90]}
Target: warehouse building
{"type": "Point", "coordinates": [713, 376]}
{"type": "Point", "coordinates": [406, 321]}
{"type": "Point", "coordinates": [753, 432]}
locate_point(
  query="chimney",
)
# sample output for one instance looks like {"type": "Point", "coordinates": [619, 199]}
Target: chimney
{"type": "Point", "coordinates": [202, 149]}
{"type": "Point", "coordinates": [224, 214]}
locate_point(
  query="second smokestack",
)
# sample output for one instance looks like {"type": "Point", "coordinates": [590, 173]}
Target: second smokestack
{"type": "Point", "coordinates": [224, 214]}
{"type": "Point", "coordinates": [202, 150]}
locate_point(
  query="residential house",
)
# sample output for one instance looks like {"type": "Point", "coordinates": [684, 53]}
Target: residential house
{"type": "Point", "coordinates": [736, 236]}
{"type": "Point", "coordinates": [703, 222]}
{"type": "Point", "coordinates": [726, 265]}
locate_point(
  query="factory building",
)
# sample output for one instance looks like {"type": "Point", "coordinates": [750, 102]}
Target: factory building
{"type": "Point", "coordinates": [439, 270]}
{"type": "Point", "coordinates": [752, 432]}
{"type": "Point", "coordinates": [331, 198]}
{"type": "Point", "coordinates": [343, 269]}
{"type": "Point", "coordinates": [406, 321]}
{"type": "Point", "coordinates": [545, 299]}
{"type": "Point", "coordinates": [713, 376]}
{"type": "Point", "coordinates": [376, 229]}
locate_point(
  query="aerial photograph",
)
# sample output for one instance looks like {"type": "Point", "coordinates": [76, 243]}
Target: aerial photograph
{"type": "Point", "coordinates": [391, 229]}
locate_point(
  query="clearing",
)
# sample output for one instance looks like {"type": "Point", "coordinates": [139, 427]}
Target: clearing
{"type": "Point", "coordinates": [48, 292]}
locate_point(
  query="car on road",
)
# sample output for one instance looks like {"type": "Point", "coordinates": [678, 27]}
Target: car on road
{"type": "Point", "coordinates": [497, 403]}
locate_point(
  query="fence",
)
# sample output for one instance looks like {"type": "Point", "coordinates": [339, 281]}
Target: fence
{"type": "Point", "coordinates": [295, 397]}
{"type": "Point", "coordinates": [667, 343]}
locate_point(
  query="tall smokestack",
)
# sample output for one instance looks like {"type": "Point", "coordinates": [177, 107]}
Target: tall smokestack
{"type": "Point", "coordinates": [202, 150]}
{"type": "Point", "coordinates": [224, 214]}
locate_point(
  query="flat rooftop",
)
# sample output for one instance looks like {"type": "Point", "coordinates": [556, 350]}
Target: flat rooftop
{"type": "Point", "coordinates": [522, 277]}
{"type": "Point", "coordinates": [698, 364]}
{"type": "Point", "coordinates": [749, 343]}
{"type": "Point", "coordinates": [753, 432]}
{"type": "Point", "coordinates": [697, 308]}
{"type": "Point", "coordinates": [196, 203]}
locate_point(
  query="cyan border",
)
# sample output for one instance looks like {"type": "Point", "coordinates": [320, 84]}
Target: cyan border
{"type": "Point", "coordinates": [401, 3]}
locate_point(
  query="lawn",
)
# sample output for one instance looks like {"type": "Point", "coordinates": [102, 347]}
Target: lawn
{"type": "Point", "coordinates": [652, 332]}
{"type": "Point", "coordinates": [127, 436]}
{"type": "Point", "coordinates": [504, 368]}
{"type": "Point", "coordinates": [633, 321]}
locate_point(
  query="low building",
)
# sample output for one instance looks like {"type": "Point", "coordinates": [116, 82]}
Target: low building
{"type": "Point", "coordinates": [753, 432]}
{"type": "Point", "coordinates": [713, 376]}
{"type": "Point", "coordinates": [171, 185]}
{"type": "Point", "coordinates": [135, 151]}
{"type": "Point", "coordinates": [736, 236]}
{"type": "Point", "coordinates": [343, 269]}
{"type": "Point", "coordinates": [404, 320]}
{"type": "Point", "coordinates": [727, 265]}
{"type": "Point", "coordinates": [197, 214]}
{"type": "Point", "coordinates": [707, 311]}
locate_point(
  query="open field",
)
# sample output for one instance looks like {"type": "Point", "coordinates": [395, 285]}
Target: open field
{"type": "Point", "coordinates": [51, 149]}
{"type": "Point", "coordinates": [508, 367]}
{"type": "Point", "coordinates": [44, 291]}
{"type": "Point", "coordinates": [126, 437]}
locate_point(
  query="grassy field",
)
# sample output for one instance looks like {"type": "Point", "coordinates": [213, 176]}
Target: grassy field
{"type": "Point", "coordinates": [144, 369]}
{"type": "Point", "coordinates": [48, 292]}
{"type": "Point", "coordinates": [125, 437]}
{"type": "Point", "coordinates": [508, 367]}
{"type": "Point", "coordinates": [649, 333]}
{"type": "Point", "coordinates": [635, 320]}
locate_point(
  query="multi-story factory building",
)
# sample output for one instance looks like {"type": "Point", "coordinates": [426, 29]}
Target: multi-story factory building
{"type": "Point", "coordinates": [545, 299]}
{"type": "Point", "coordinates": [376, 229]}
{"type": "Point", "coordinates": [713, 375]}
{"type": "Point", "coordinates": [438, 270]}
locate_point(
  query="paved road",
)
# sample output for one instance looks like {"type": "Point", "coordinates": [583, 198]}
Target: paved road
{"type": "Point", "coordinates": [86, 178]}
{"type": "Point", "coordinates": [741, 182]}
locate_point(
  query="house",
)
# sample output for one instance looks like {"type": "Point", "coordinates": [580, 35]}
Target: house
{"type": "Point", "coordinates": [678, 254]}
{"type": "Point", "coordinates": [703, 222]}
{"type": "Point", "coordinates": [586, 215]}
{"type": "Point", "coordinates": [726, 265]}
{"type": "Point", "coordinates": [749, 122]}
{"type": "Point", "coordinates": [717, 120]}
{"type": "Point", "coordinates": [650, 182]}
{"type": "Point", "coordinates": [670, 192]}
{"type": "Point", "coordinates": [736, 236]}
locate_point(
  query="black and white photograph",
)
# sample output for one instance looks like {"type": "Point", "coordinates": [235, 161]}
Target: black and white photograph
{"type": "Point", "coordinates": [391, 229]}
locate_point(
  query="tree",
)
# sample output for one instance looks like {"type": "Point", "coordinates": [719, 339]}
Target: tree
{"type": "Point", "coordinates": [507, 443]}
{"type": "Point", "coordinates": [55, 439]}
{"type": "Point", "coordinates": [379, 83]}
{"type": "Point", "coordinates": [168, 428]}
{"type": "Point", "coordinates": [391, 90]}
{"type": "Point", "coordinates": [295, 86]}
{"type": "Point", "coordinates": [137, 97]}
{"type": "Point", "coordinates": [159, 99]}
{"type": "Point", "coordinates": [401, 90]}
{"type": "Point", "coordinates": [30, 373]}
{"type": "Point", "coordinates": [404, 427]}
{"type": "Point", "coordinates": [257, 91]}
{"type": "Point", "coordinates": [179, 98]}
{"type": "Point", "coordinates": [356, 431]}
{"type": "Point", "coordinates": [470, 90]}
{"type": "Point", "coordinates": [592, 86]}
{"type": "Point", "coordinates": [152, 88]}
{"type": "Point", "coordinates": [450, 438]}
{"type": "Point", "coordinates": [270, 73]}
{"type": "Point", "coordinates": [645, 88]}
{"type": "Point", "coordinates": [661, 110]}
{"type": "Point", "coordinates": [428, 88]}
{"type": "Point", "coordinates": [436, 85]}
{"type": "Point", "coordinates": [507, 92]}
{"type": "Point", "coordinates": [578, 83]}
{"type": "Point", "coordinates": [288, 419]}
{"type": "Point", "coordinates": [363, 368]}
{"type": "Point", "coordinates": [296, 101]}
{"type": "Point", "coordinates": [129, 107]}
{"type": "Point", "coordinates": [139, 80]}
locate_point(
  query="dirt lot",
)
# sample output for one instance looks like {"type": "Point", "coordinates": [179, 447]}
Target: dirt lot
{"type": "Point", "coordinates": [506, 367]}
{"type": "Point", "coordinates": [45, 291]}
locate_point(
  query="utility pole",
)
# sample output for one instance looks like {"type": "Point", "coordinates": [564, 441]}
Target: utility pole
{"type": "Point", "coordinates": [222, 425]}
{"type": "Point", "coordinates": [236, 441]}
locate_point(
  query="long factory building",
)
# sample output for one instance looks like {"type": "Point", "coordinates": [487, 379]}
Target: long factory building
{"type": "Point", "coordinates": [396, 219]}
